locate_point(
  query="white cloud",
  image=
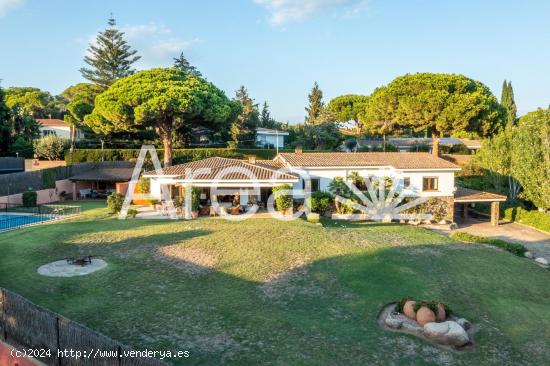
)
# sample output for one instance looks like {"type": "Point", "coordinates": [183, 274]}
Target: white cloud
{"type": "Point", "coordinates": [8, 5]}
{"type": "Point", "coordinates": [285, 11]}
{"type": "Point", "coordinates": [155, 43]}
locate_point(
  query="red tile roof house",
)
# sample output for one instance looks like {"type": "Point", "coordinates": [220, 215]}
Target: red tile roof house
{"type": "Point", "coordinates": [58, 127]}
{"type": "Point", "coordinates": [421, 175]}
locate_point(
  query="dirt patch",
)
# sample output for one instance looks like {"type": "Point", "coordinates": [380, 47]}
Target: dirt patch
{"type": "Point", "coordinates": [192, 261]}
{"type": "Point", "coordinates": [285, 286]}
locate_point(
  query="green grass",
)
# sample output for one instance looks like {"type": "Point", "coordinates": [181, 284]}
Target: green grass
{"type": "Point", "coordinates": [514, 248]}
{"type": "Point", "coordinates": [283, 293]}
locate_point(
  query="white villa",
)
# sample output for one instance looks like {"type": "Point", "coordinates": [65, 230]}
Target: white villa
{"type": "Point", "coordinates": [266, 137]}
{"type": "Point", "coordinates": [57, 127]}
{"type": "Point", "coordinates": [421, 174]}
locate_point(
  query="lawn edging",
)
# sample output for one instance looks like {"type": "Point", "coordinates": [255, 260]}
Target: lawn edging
{"type": "Point", "coordinates": [514, 248]}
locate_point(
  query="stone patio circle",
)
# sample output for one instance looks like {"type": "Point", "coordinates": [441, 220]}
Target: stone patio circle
{"type": "Point", "coordinates": [63, 269]}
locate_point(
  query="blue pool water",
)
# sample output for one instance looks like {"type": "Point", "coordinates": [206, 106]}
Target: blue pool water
{"type": "Point", "coordinates": [12, 221]}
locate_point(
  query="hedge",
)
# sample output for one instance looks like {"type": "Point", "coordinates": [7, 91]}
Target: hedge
{"type": "Point", "coordinates": [513, 248]}
{"type": "Point", "coordinates": [179, 155]}
{"type": "Point", "coordinates": [537, 219]}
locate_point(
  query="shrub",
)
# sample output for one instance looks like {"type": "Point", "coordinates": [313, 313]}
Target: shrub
{"type": "Point", "coordinates": [114, 202]}
{"type": "Point", "coordinates": [195, 199]}
{"type": "Point", "coordinates": [179, 155]}
{"type": "Point", "coordinates": [537, 219]}
{"type": "Point", "coordinates": [313, 217]}
{"type": "Point", "coordinates": [49, 177]}
{"type": "Point", "coordinates": [144, 185]}
{"type": "Point", "coordinates": [132, 212]}
{"type": "Point", "coordinates": [22, 147]}
{"type": "Point", "coordinates": [283, 201]}
{"type": "Point", "coordinates": [29, 198]}
{"type": "Point", "coordinates": [320, 202]}
{"type": "Point", "coordinates": [50, 147]}
{"type": "Point", "coordinates": [513, 248]}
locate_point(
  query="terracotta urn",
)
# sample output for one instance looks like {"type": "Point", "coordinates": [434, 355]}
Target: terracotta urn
{"type": "Point", "coordinates": [425, 315]}
{"type": "Point", "coordinates": [408, 309]}
{"type": "Point", "coordinates": [440, 314]}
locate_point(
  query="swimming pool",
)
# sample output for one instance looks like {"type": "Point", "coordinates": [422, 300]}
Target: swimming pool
{"type": "Point", "coordinates": [12, 221]}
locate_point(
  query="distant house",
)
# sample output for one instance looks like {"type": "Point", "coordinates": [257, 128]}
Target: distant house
{"type": "Point", "coordinates": [413, 144]}
{"type": "Point", "coordinates": [269, 138]}
{"type": "Point", "coordinates": [57, 127]}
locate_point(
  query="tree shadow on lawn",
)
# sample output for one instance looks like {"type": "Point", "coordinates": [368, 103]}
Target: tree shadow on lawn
{"type": "Point", "coordinates": [325, 312]}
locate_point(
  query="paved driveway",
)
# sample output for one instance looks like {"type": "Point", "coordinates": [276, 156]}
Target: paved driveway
{"type": "Point", "coordinates": [536, 241]}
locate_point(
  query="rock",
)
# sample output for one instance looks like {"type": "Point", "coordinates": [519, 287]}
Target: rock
{"type": "Point", "coordinates": [415, 222]}
{"type": "Point", "coordinates": [528, 255]}
{"type": "Point", "coordinates": [453, 226]}
{"type": "Point", "coordinates": [448, 333]}
{"type": "Point", "coordinates": [393, 321]}
{"type": "Point", "coordinates": [408, 309]}
{"type": "Point", "coordinates": [412, 327]}
{"type": "Point", "coordinates": [440, 314]}
{"type": "Point", "coordinates": [542, 261]}
{"type": "Point", "coordinates": [424, 315]}
{"type": "Point", "coordinates": [427, 222]}
{"type": "Point", "coordinates": [464, 323]}
{"type": "Point", "coordinates": [402, 221]}
{"type": "Point", "coordinates": [443, 222]}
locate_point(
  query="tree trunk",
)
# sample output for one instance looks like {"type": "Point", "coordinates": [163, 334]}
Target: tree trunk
{"type": "Point", "coordinates": [435, 142]}
{"type": "Point", "coordinates": [167, 143]}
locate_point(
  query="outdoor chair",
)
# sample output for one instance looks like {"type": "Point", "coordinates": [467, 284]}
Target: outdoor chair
{"type": "Point", "coordinates": [85, 193]}
{"type": "Point", "coordinates": [236, 210]}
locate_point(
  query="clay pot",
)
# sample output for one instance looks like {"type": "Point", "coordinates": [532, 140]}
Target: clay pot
{"type": "Point", "coordinates": [424, 315]}
{"type": "Point", "coordinates": [408, 309]}
{"type": "Point", "coordinates": [440, 314]}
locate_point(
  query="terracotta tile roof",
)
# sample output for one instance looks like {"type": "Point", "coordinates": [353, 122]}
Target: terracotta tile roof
{"type": "Point", "coordinates": [52, 122]}
{"type": "Point", "coordinates": [236, 170]}
{"type": "Point", "coordinates": [277, 164]}
{"type": "Point", "coordinates": [104, 175]}
{"type": "Point", "coordinates": [471, 195]}
{"type": "Point", "coordinates": [398, 160]}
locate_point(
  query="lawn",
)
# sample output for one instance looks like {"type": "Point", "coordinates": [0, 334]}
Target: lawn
{"type": "Point", "coordinates": [284, 293]}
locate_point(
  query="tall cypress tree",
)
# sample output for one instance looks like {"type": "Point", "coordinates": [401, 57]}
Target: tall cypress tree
{"type": "Point", "coordinates": [111, 58]}
{"type": "Point", "coordinates": [508, 102]}
{"type": "Point", "coordinates": [183, 65]}
{"type": "Point", "coordinates": [265, 117]}
{"type": "Point", "coordinates": [5, 124]}
{"type": "Point", "coordinates": [243, 130]}
{"type": "Point", "coordinates": [316, 105]}
{"type": "Point", "coordinates": [512, 109]}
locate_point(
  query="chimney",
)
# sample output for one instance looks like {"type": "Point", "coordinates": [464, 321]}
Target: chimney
{"type": "Point", "coordinates": [298, 150]}
{"type": "Point", "coordinates": [252, 159]}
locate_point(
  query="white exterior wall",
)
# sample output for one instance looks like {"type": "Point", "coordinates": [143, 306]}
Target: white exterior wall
{"type": "Point", "coordinates": [64, 132]}
{"type": "Point", "coordinates": [262, 139]}
{"type": "Point", "coordinates": [445, 178]}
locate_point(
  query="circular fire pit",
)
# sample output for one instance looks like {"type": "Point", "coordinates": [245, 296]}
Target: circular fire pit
{"type": "Point", "coordinates": [79, 266]}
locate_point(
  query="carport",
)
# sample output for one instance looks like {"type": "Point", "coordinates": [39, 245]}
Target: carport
{"type": "Point", "coordinates": [464, 197]}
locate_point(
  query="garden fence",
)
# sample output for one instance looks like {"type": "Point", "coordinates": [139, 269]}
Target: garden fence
{"type": "Point", "coordinates": [15, 215]}
{"type": "Point", "coordinates": [28, 326]}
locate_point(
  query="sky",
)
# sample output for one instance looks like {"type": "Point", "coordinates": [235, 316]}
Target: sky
{"type": "Point", "coordinates": [278, 48]}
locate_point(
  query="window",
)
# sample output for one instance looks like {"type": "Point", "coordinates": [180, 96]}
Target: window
{"type": "Point", "coordinates": [406, 182]}
{"type": "Point", "coordinates": [429, 183]}
{"type": "Point", "coordinates": [315, 184]}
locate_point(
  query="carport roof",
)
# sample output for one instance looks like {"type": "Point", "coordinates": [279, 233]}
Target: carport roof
{"type": "Point", "coordinates": [104, 175]}
{"type": "Point", "coordinates": [472, 195]}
